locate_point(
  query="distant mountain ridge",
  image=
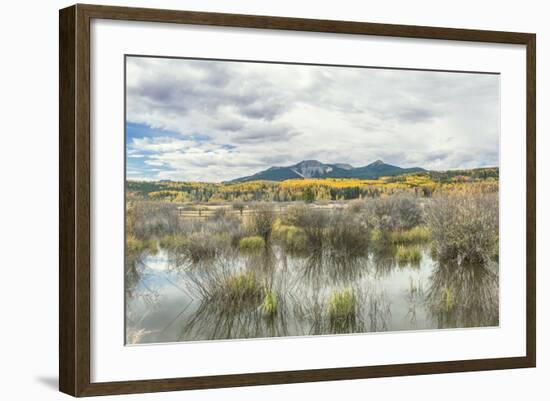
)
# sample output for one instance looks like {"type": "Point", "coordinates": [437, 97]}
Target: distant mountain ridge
{"type": "Point", "coordinates": [316, 169]}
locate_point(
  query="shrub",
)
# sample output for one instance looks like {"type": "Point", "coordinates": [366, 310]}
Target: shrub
{"type": "Point", "coordinates": [145, 219]}
{"type": "Point", "coordinates": [314, 224]}
{"type": "Point", "coordinates": [347, 234]}
{"type": "Point", "coordinates": [229, 228]}
{"type": "Point", "coordinates": [254, 243]}
{"type": "Point", "coordinates": [238, 205]}
{"type": "Point", "coordinates": [261, 221]}
{"type": "Point", "coordinates": [202, 246]}
{"type": "Point", "coordinates": [219, 213]}
{"type": "Point", "coordinates": [295, 215]}
{"type": "Point", "coordinates": [465, 227]}
{"type": "Point", "coordinates": [356, 206]}
{"type": "Point", "coordinates": [408, 254]}
{"type": "Point", "coordinates": [397, 212]}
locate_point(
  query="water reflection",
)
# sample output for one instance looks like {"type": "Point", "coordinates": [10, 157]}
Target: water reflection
{"type": "Point", "coordinates": [272, 293]}
{"type": "Point", "coordinates": [464, 296]}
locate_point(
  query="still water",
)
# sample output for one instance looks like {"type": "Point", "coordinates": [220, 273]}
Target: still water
{"type": "Point", "coordinates": [169, 300]}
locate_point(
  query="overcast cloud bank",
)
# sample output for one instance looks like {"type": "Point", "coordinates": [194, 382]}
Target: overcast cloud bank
{"type": "Point", "coordinates": [199, 120]}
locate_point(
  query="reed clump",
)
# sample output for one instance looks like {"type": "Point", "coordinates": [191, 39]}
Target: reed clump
{"type": "Point", "coordinates": [135, 248]}
{"type": "Point", "coordinates": [252, 244]}
{"type": "Point", "coordinates": [408, 254]}
{"type": "Point", "coordinates": [414, 235]}
{"type": "Point", "coordinates": [241, 287]}
{"type": "Point", "coordinates": [342, 310]}
{"type": "Point", "coordinates": [270, 303]}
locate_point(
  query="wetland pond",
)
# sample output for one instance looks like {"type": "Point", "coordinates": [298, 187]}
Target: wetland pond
{"type": "Point", "coordinates": [274, 293]}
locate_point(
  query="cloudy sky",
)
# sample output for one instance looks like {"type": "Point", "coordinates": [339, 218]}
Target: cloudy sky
{"type": "Point", "coordinates": [200, 120]}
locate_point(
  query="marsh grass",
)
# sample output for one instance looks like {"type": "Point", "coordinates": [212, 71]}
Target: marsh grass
{"type": "Point", "coordinates": [342, 308]}
{"type": "Point", "coordinates": [174, 243]}
{"type": "Point", "coordinates": [249, 274]}
{"type": "Point", "coordinates": [136, 248]}
{"type": "Point", "coordinates": [417, 234]}
{"type": "Point", "coordinates": [314, 230]}
{"type": "Point", "coordinates": [270, 303]}
{"type": "Point", "coordinates": [241, 287]}
{"type": "Point", "coordinates": [252, 244]}
{"type": "Point", "coordinates": [292, 238]}
{"type": "Point", "coordinates": [408, 254]}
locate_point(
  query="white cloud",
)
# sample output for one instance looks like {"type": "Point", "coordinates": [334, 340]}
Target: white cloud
{"type": "Point", "coordinates": [251, 116]}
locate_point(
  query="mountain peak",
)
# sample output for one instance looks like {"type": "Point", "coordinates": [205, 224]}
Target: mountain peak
{"type": "Point", "coordinates": [317, 169]}
{"type": "Point", "coordinates": [377, 163]}
{"type": "Point", "coordinates": [308, 163]}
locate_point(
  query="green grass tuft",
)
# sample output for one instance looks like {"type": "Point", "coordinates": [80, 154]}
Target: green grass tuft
{"type": "Point", "coordinates": [270, 304]}
{"type": "Point", "coordinates": [252, 244]}
{"type": "Point", "coordinates": [242, 287]}
{"type": "Point", "coordinates": [342, 310]}
{"type": "Point", "coordinates": [414, 235]}
{"type": "Point", "coordinates": [408, 254]}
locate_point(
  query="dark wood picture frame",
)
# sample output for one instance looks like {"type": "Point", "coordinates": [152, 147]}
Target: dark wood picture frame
{"type": "Point", "coordinates": [74, 199]}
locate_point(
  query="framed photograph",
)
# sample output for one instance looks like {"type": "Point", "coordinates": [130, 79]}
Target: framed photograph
{"type": "Point", "coordinates": [250, 200]}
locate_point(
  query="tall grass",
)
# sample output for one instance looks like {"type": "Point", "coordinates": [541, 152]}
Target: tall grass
{"type": "Point", "coordinates": [414, 235]}
{"type": "Point", "coordinates": [270, 303]}
{"type": "Point", "coordinates": [292, 238]}
{"type": "Point", "coordinates": [252, 244]}
{"type": "Point", "coordinates": [342, 310]}
{"type": "Point", "coordinates": [241, 287]}
{"type": "Point", "coordinates": [135, 248]}
{"type": "Point", "coordinates": [174, 243]}
{"type": "Point", "coordinates": [408, 254]}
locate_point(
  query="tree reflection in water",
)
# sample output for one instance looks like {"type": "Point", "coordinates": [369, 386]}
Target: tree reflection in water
{"type": "Point", "coordinates": [270, 293]}
{"type": "Point", "coordinates": [464, 295]}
